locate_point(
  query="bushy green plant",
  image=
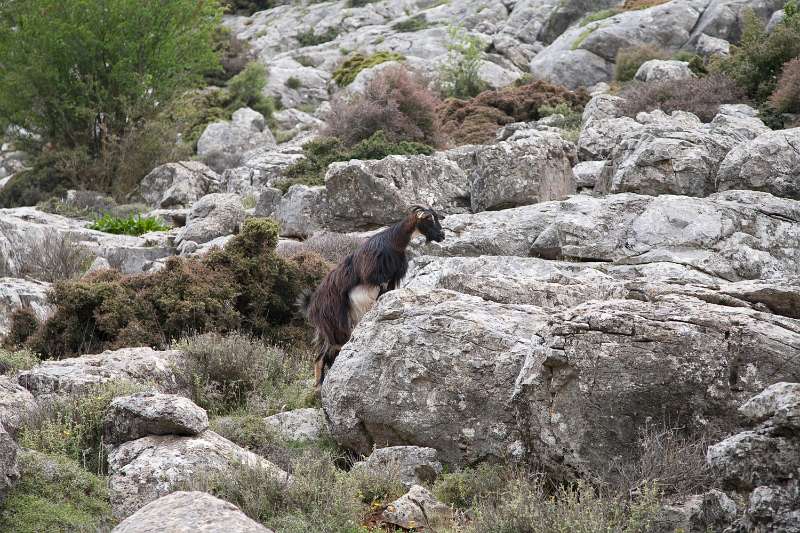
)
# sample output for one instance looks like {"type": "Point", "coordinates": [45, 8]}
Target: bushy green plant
{"type": "Point", "coordinates": [23, 325]}
{"type": "Point", "coordinates": [347, 71]}
{"type": "Point", "coordinates": [246, 90]}
{"type": "Point", "coordinates": [248, 7]}
{"type": "Point", "coordinates": [599, 15]}
{"type": "Point", "coordinates": [55, 494]}
{"type": "Point", "coordinates": [12, 361]}
{"type": "Point", "coordinates": [72, 426]}
{"type": "Point", "coordinates": [411, 24]}
{"type": "Point", "coordinates": [133, 225]}
{"type": "Point", "coordinates": [696, 63]}
{"type": "Point", "coordinates": [293, 83]}
{"type": "Point", "coordinates": [321, 152]}
{"type": "Point", "coordinates": [310, 37]}
{"type": "Point", "coordinates": [630, 59]}
{"type": "Point", "coordinates": [65, 61]}
{"type": "Point", "coordinates": [464, 488]}
{"type": "Point", "coordinates": [757, 61]}
{"type": "Point", "coordinates": [458, 75]}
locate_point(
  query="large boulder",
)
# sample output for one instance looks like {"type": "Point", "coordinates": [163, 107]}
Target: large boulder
{"type": "Point", "coordinates": [246, 130]}
{"type": "Point", "coordinates": [414, 465]}
{"type": "Point", "coordinates": [146, 469]}
{"type": "Point", "coordinates": [178, 184]}
{"type": "Point", "coordinates": [214, 215]}
{"type": "Point", "coordinates": [189, 512]}
{"type": "Point", "coordinates": [300, 212]}
{"type": "Point", "coordinates": [734, 235]}
{"type": "Point", "coordinates": [16, 403]}
{"type": "Point", "coordinates": [299, 425]}
{"type": "Point", "coordinates": [770, 162]}
{"type": "Point", "coordinates": [17, 293]}
{"type": "Point", "coordinates": [80, 374]}
{"type": "Point", "coordinates": [660, 70]}
{"type": "Point", "coordinates": [418, 508]}
{"type": "Point", "coordinates": [151, 413]}
{"type": "Point", "coordinates": [525, 382]}
{"type": "Point", "coordinates": [9, 471]}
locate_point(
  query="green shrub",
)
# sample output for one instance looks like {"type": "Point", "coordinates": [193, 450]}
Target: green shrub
{"type": "Point", "coordinates": [53, 82]}
{"type": "Point", "coordinates": [465, 488]}
{"type": "Point", "coordinates": [133, 225]}
{"type": "Point", "coordinates": [359, 3]}
{"type": "Point", "coordinates": [293, 83]}
{"type": "Point", "coordinates": [12, 362]}
{"type": "Point", "coordinates": [696, 62]}
{"type": "Point", "coordinates": [756, 62]}
{"type": "Point", "coordinates": [321, 152]}
{"type": "Point", "coordinates": [248, 7]}
{"type": "Point", "coordinates": [244, 286]}
{"type": "Point", "coordinates": [630, 59]}
{"type": "Point", "coordinates": [55, 494]}
{"type": "Point", "coordinates": [599, 15]}
{"type": "Point", "coordinates": [347, 71]}
{"type": "Point", "coordinates": [72, 426]}
{"type": "Point", "coordinates": [458, 76]}
{"type": "Point", "coordinates": [310, 38]}
{"type": "Point", "coordinates": [246, 90]}
{"type": "Point", "coordinates": [23, 325]}
{"type": "Point", "coordinates": [39, 183]}
{"type": "Point", "coordinates": [234, 55]}
{"type": "Point", "coordinates": [411, 24]}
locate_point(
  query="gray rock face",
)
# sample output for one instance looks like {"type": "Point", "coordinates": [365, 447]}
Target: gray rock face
{"type": "Point", "coordinates": [522, 381]}
{"type": "Point", "coordinates": [414, 465]}
{"type": "Point", "coordinates": [16, 403]}
{"type": "Point", "coordinates": [712, 46]}
{"type": "Point", "coordinates": [367, 194]}
{"type": "Point", "coordinates": [770, 162]}
{"type": "Point", "coordinates": [418, 508]}
{"type": "Point", "coordinates": [189, 512]}
{"type": "Point", "coordinates": [24, 229]}
{"type": "Point", "coordinates": [711, 511]}
{"type": "Point", "coordinates": [244, 132]}
{"type": "Point", "coordinates": [16, 293]}
{"type": "Point", "coordinates": [301, 211]}
{"type": "Point", "coordinates": [723, 18]}
{"type": "Point", "coordinates": [150, 413]}
{"type": "Point", "coordinates": [734, 236]}
{"type": "Point", "coordinates": [531, 170]}
{"type": "Point", "coordinates": [587, 174]}
{"type": "Point", "coordinates": [214, 215]}
{"type": "Point", "coordinates": [660, 70]}
{"type": "Point", "coordinates": [79, 374]}
{"type": "Point", "coordinates": [146, 469]}
{"type": "Point", "coordinates": [178, 184]}
{"type": "Point", "coordinates": [764, 461]}
{"type": "Point", "coordinates": [301, 425]}
{"type": "Point", "coordinates": [9, 472]}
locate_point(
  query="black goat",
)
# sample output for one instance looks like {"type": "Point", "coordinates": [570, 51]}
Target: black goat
{"type": "Point", "coordinates": [350, 290]}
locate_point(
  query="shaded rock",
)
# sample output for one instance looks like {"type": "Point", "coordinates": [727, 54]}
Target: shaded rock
{"type": "Point", "coordinates": [189, 512]}
{"type": "Point", "coordinates": [214, 215]}
{"type": "Point", "coordinates": [413, 464]}
{"type": "Point", "coordinates": [603, 107]}
{"type": "Point", "coordinates": [16, 403]}
{"type": "Point", "coordinates": [770, 162]}
{"type": "Point", "coordinates": [16, 293]}
{"type": "Point", "coordinates": [660, 70]}
{"type": "Point", "coordinates": [712, 511]}
{"type": "Point", "coordinates": [711, 46]}
{"type": "Point", "coordinates": [9, 471]}
{"type": "Point", "coordinates": [268, 202]}
{"type": "Point", "coordinates": [151, 413]}
{"type": "Point", "coordinates": [245, 131]}
{"type": "Point", "coordinates": [79, 374]}
{"type": "Point", "coordinates": [588, 173]}
{"type": "Point", "coordinates": [178, 184]}
{"type": "Point", "coordinates": [723, 18]}
{"type": "Point", "coordinates": [299, 424]}
{"type": "Point", "coordinates": [418, 509]}
{"type": "Point", "coordinates": [778, 403]}
{"type": "Point", "coordinates": [301, 211]}
{"type": "Point", "coordinates": [599, 137]}
{"type": "Point", "coordinates": [146, 469]}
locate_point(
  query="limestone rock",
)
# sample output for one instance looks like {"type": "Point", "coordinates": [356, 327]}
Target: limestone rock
{"type": "Point", "coordinates": [588, 173]}
{"type": "Point", "coordinates": [189, 512]}
{"type": "Point", "coordinates": [660, 70]}
{"type": "Point", "coordinates": [770, 162]}
{"type": "Point", "coordinates": [418, 509]}
{"type": "Point", "coordinates": [778, 403]}
{"type": "Point", "coordinates": [214, 215]}
{"type": "Point", "coordinates": [9, 471]}
{"type": "Point", "coordinates": [711, 511]}
{"type": "Point", "coordinates": [301, 425]}
{"type": "Point", "coordinates": [245, 131]}
{"type": "Point", "coordinates": [413, 464]}
{"type": "Point", "coordinates": [301, 211]}
{"type": "Point", "coordinates": [80, 374]}
{"type": "Point", "coordinates": [16, 293]}
{"type": "Point", "coordinates": [16, 403]}
{"type": "Point", "coordinates": [178, 184]}
{"type": "Point", "coordinates": [150, 413]}
{"type": "Point", "coordinates": [146, 469]}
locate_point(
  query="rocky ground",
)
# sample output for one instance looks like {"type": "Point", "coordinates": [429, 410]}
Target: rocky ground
{"type": "Point", "coordinates": [642, 273]}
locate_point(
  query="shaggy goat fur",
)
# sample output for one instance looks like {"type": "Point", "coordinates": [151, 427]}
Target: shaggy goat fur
{"type": "Point", "coordinates": [350, 290]}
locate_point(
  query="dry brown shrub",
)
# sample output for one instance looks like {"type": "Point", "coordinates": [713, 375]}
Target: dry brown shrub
{"type": "Point", "coordinates": [396, 102]}
{"type": "Point", "coordinates": [57, 257]}
{"type": "Point", "coordinates": [476, 121]}
{"type": "Point", "coordinates": [701, 96]}
{"type": "Point", "coordinates": [786, 98]}
{"type": "Point", "coordinates": [630, 59]}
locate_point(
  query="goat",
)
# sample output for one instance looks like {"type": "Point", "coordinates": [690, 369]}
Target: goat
{"type": "Point", "coordinates": [350, 289]}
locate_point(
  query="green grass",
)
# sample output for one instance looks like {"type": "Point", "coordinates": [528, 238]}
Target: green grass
{"type": "Point", "coordinates": [411, 24]}
{"type": "Point", "coordinates": [582, 37]}
{"type": "Point", "coordinates": [13, 362]}
{"type": "Point", "coordinates": [347, 71]}
{"type": "Point", "coordinates": [293, 83]}
{"type": "Point", "coordinates": [132, 225]}
{"type": "Point", "coordinates": [599, 15]}
{"type": "Point", "coordinates": [310, 38]}
{"type": "Point", "coordinates": [55, 494]}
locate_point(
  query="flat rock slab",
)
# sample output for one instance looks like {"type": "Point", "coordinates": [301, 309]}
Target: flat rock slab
{"type": "Point", "coordinates": [150, 413]}
{"type": "Point", "coordinates": [15, 404]}
{"type": "Point", "coordinates": [300, 425]}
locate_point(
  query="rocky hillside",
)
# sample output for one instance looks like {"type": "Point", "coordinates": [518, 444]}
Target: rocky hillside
{"type": "Point", "coordinates": [608, 338]}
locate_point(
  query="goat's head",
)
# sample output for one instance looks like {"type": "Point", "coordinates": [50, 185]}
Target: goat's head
{"type": "Point", "coordinates": [428, 223]}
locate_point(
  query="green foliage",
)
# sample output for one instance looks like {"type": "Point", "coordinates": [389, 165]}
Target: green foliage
{"type": "Point", "coordinates": [65, 61]}
{"type": "Point", "coordinates": [293, 83]}
{"type": "Point", "coordinates": [35, 185]}
{"type": "Point", "coordinates": [244, 286]}
{"type": "Point", "coordinates": [246, 90]}
{"type": "Point", "coordinates": [12, 362]}
{"type": "Point", "coordinates": [132, 225]}
{"type": "Point", "coordinates": [599, 15]}
{"type": "Point", "coordinates": [464, 488]}
{"type": "Point", "coordinates": [630, 59]}
{"type": "Point", "coordinates": [23, 325]}
{"type": "Point", "coordinates": [310, 38]}
{"type": "Point", "coordinates": [757, 61]}
{"type": "Point", "coordinates": [55, 494]}
{"type": "Point", "coordinates": [411, 24]}
{"type": "Point", "coordinates": [696, 63]}
{"type": "Point", "coordinates": [248, 7]}
{"type": "Point", "coordinates": [321, 152]}
{"type": "Point", "coordinates": [72, 426]}
{"type": "Point", "coordinates": [347, 71]}
{"type": "Point", "coordinates": [359, 3]}
{"type": "Point", "coordinates": [565, 117]}
{"type": "Point", "coordinates": [458, 76]}
{"type": "Point", "coordinates": [582, 37]}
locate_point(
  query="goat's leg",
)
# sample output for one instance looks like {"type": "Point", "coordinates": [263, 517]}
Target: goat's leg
{"type": "Point", "coordinates": [319, 368]}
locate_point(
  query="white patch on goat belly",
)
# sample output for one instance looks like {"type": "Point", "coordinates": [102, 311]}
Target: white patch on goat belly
{"type": "Point", "coordinates": [362, 298]}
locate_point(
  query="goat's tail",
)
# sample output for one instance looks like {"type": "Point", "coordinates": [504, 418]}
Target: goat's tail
{"type": "Point", "coordinates": [303, 302]}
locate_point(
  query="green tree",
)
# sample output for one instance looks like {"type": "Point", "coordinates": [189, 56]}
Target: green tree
{"type": "Point", "coordinates": [62, 62]}
{"type": "Point", "coordinates": [458, 76]}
